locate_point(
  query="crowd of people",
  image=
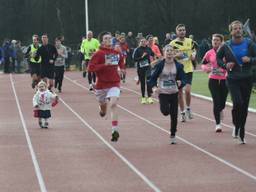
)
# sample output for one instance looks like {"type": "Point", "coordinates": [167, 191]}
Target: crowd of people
{"type": "Point", "coordinates": [163, 70]}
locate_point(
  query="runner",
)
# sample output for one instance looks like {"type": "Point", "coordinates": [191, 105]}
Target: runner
{"type": "Point", "coordinates": [59, 63]}
{"type": "Point", "coordinates": [88, 47]}
{"type": "Point", "coordinates": [42, 102]}
{"type": "Point", "coordinates": [142, 56]}
{"type": "Point", "coordinates": [171, 78]}
{"type": "Point", "coordinates": [240, 55]}
{"type": "Point", "coordinates": [186, 55]}
{"type": "Point", "coordinates": [105, 64]}
{"type": "Point", "coordinates": [217, 80]}
{"type": "Point", "coordinates": [48, 53]}
{"type": "Point", "coordinates": [34, 65]}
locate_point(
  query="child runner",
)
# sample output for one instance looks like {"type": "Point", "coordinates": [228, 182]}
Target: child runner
{"type": "Point", "coordinates": [105, 63]}
{"type": "Point", "coordinates": [171, 79]}
{"type": "Point", "coordinates": [217, 80]}
{"type": "Point", "coordinates": [142, 56]}
{"type": "Point", "coordinates": [43, 100]}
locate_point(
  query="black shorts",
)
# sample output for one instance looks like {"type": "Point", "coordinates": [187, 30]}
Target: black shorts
{"type": "Point", "coordinates": [44, 114]}
{"type": "Point", "coordinates": [47, 72]}
{"type": "Point", "coordinates": [188, 78]}
{"type": "Point", "coordinates": [34, 68]}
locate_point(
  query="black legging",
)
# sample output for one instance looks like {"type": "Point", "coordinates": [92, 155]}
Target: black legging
{"type": "Point", "coordinates": [91, 75]}
{"type": "Point", "coordinates": [59, 73]}
{"type": "Point", "coordinates": [144, 74]}
{"type": "Point", "coordinates": [219, 94]}
{"type": "Point", "coordinates": [240, 91]}
{"type": "Point", "coordinates": [169, 106]}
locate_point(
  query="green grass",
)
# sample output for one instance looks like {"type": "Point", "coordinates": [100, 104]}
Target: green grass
{"type": "Point", "coordinates": [200, 86]}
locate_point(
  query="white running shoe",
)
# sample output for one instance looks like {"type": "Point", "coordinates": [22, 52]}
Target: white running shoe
{"type": "Point", "coordinates": [218, 128]}
{"type": "Point", "coordinates": [183, 117]}
{"type": "Point", "coordinates": [173, 140]}
{"type": "Point", "coordinates": [241, 141]}
{"type": "Point", "coordinates": [189, 114]}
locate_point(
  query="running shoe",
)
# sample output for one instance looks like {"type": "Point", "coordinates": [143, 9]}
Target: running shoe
{"type": "Point", "coordinates": [183, 117]}
{"type": "Point", "coordinates": [189, 114]}
{"type": "Point", "coordinates": [218, 128]}
{"type": "Point", "coordinates": [115, 136]}
{"type": "Point", "coordinates": [173, 140]}
{"type": "Point", "coordinates": [143, 100]}
{"type": "Point", "coordinates": [241, 140]}
{"type": "Point", "coordinates": [90, 87]}
{"type": "Point", "coordinates": [150, 100]}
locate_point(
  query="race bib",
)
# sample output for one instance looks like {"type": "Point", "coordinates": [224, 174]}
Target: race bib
{"type": "Point", "coordinates": [144, 63]}
{"type": "Point", "coordinates": [185, 57]}
{"type": "Point", "coordinates": [112, 59]}
{"type": "Point", "coordinates": [168, 84]}
{"type": "Point", "coordinates": [216, 71]}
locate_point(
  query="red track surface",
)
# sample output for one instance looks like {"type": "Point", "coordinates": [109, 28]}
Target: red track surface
{"type": "Point", "coordinates": [75, 153]}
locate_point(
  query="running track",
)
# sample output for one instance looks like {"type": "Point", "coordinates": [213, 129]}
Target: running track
{"type": "Point", "coordinates": [75, 153]}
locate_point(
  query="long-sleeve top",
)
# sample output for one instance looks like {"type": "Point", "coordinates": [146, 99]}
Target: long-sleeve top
{"type": "Point", "coordinates": [43, 100]}
{"type": "Point", "coordinates": [143, 61]}
{"type": "Point", "coordinates": [88, 47]}
{"type": "Point", "coordinates": [47, 52]}
{"type": "Point", "coordinates": [158, 69]}
{"type": "Point", "coordinates": [62, 55]}
{"type": "Point", "coordinates": [107, 75]}
{"type": "Point", "coordinates": [232, 53]}
{"type": "Point", "coordinates": [209, 60]}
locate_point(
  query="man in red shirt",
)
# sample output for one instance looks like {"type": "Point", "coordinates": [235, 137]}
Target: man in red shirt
{"type": "Point", "coordinates": [105, 63]}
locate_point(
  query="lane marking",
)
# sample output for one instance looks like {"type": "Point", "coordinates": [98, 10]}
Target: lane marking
{"type": "Point", "coordinates": [129, 164]}
{"type": "Point", "coordinates": [30, 146]}
{"type": "Point", "coordinates": [196, 114]}
{"type": "Point", "coordinates": [250, 175]}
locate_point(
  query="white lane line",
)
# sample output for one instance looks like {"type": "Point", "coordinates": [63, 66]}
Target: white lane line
{"type": "Point", "coordinates": [196, 114]}
{"type": "Point", "coordinates": [129, 164]}
{"type": "Point", "coordinates": [31, 149]}
{"type": "Point", "coordinates": [227, 103]}
{"type": "Point", "coordinates": [182, 139]}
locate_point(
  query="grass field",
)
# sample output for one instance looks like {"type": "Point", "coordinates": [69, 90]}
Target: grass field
{"type": "Point", "coordinates": [200, 86]}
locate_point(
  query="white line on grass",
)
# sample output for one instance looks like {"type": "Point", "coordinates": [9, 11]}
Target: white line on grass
{"type": "Point", "coordinates": [182, 139]}
{"type": "Point", "coordinates": [31, 149]}
{"type": "Point", "coordinates": [196, 114]}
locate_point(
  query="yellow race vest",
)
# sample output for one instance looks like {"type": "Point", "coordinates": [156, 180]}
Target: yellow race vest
{"type": "Point", "coordinates": [32, 53]}
{"type": "Point", "coordinates": [186, 47]}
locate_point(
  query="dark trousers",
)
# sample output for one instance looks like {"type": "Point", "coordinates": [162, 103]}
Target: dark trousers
{"type": "Point", "coordinates": [6, 65]}
{"type": "Point", "coordinates": [169, 106]}
{"type": "Point", "coordinates": [91, 75]}
{"type": "Point", "coordinates": [240, 90]}
{"type": "Point", "coordinates": [59, 74]}
{"type": "Point", "coordinates": [144, 74]}
{"type": "Point", "coordinates": [219, 92]}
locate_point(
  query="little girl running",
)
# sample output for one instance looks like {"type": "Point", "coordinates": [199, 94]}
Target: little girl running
{"type": "Point", "coordinates": [43, 101]}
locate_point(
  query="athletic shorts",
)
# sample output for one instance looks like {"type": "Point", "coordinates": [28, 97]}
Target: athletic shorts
{"type": "Point", "coordinates": [103, 94]}
{"type": "Point", "coordinates": [188, 78]}
{"type": "Point", "coordinates": [44, 113]}
{"type": "Point", "coordinates": [34, 68]}
{"type": "Point", "coordinates": [47, 71]}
